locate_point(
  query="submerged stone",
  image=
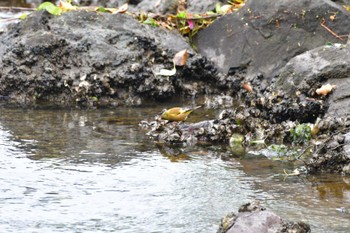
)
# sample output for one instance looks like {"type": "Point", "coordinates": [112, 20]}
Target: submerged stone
{"type": "Point", "coordinates": [253, 218]}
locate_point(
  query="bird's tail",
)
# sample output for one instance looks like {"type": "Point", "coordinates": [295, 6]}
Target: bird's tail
{"type": "Point", "coordinates": [199, 106]}
{"type": "Point", "coordinates": [189, 110]}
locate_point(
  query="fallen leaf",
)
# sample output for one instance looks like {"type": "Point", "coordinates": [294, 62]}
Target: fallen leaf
{"type": "Point", "coordinates": [50, 7]}
{"type": "Point", "coordinates": [122, 9]}
{"type": "Point", "coordinates": [157, 3]}
{"type": "Point", "coordinates": [165, 72]}
{"type": "Point", "coordinates": [181, 15]}
{"type": "Point", "coordinates": [151, 21]}
{"type": "Point", "coordinates": [325, 89]}
{"type": "Point", "coordinates": [190, 24]}
{"type": "Point", "coordinates": [180, 58]}
{"type": "Point", "coordinates": [226, 8]}
{"type": "Point", "coordinates": [23, 16]}
{"type": "Point", "coordinates": [102, 9]}
{"type": "Point", "coordinates": [247, 87]}
{"type": "Point", "coordinates": [66, 6]}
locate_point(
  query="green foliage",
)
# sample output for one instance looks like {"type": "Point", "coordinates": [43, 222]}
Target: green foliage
{"type": "Point", "coordinates": [151, 22]}
{"type": "Point", "coordinates": [236, 139]}
{"type": "Point", "coordinates": [23, 16]}
{"type": "Point", "coordinates": [181, 15]}
{"type": "Point", "coordinates": [282, 152]}
{"type": "Point", "coordinates": [301, 134]}
{"type": "Point", "coordinates": [102, 9]}
{"type": "Point", "coordinates": [50, 7]}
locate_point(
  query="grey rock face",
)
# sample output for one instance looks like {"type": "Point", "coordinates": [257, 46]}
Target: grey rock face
{"type": "Point", "coordinates": [82, 56]}
{"type": "Point", "coordinates": [264, 35]}
{"type": "Point", "coordinates": [324, 65]}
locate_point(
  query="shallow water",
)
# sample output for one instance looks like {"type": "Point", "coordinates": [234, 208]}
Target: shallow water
{"type": "Point", "coordinates": [96, 171]}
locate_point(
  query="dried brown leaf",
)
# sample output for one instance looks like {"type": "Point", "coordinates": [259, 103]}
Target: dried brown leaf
{"type": "Point", "coordinates": [122, 9]}
{"type": "Point", "coordinates": [180, 58]}
{"type": "Point", "coordinates": [325, 89]}
{"type": "Point", "coordinates": [247, 87]}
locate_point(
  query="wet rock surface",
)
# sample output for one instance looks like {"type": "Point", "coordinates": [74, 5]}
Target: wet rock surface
{"type": "Point", "coordinates": [312, 69]}
{"type": "Point", "coordinates": [242, 121]}
{"type": "Point", "coordinates": [332, 155]}
{"type": "Point", "coordinates": [252, 218]}
{"type": "Point", "coordinates": [85, 58]}
{"type": "Point", "coordinates": [171, 6]}
{"type": "Point", "coordinates": [94, 59]}
{"type": "Point", "coordinates": [302, 76]}
{"type": "Point", "coordinates": [264, 35]}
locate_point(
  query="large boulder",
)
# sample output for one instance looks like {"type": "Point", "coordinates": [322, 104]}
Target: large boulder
{"type": "Point", "coordinates": [328, 64]}
{"type": "Point", "coordinates": [95, 58]}
{"type": "Point", "coordinates": [264, 35]}
{"type": "Point", "coordinates": [302, 76]}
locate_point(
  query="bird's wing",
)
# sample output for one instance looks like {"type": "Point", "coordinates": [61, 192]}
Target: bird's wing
{"type": "Point", "coordinates": [175, 111]}
{"type": "Point", "coordinates": [185, 111]}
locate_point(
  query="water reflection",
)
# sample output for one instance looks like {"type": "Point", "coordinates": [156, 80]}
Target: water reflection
{"type": "Point", "coordinates": [332, 187]}
{"type": "Point", "coordinates": [94, 170]}
{"type": "Point", "coordinates": [143, 192]}
{"type": "Point", "coordinates": [85, 136]}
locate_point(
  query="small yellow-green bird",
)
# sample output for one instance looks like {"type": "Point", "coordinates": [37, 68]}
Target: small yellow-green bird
{"type": "Point", "coordinates": [177, 113]}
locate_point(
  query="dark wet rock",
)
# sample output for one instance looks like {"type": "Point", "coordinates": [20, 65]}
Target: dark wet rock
{"type": "Point", "coordinates": [156, 6]}
{"type": "Point", "coordinates": [89, 59]}
{"type": "Point", "coordinates": [332, 155]}
{"type": "Point", "coordinates": [312, 69]}
{"type": "Point", "coordinates": [103, 3]}
{"type": "Point", "coordinates": [240, 120]}
{"type": "Point", "coordinates": [299, 80]}
{"type": "Point", "coordinates": [172, 6]}
{"type": "Point", "coordinates": [264, 35]}
{"type": "Point", "coordinates": [252, 218]}
{"type": "Point", "coordinates": [342, 2]}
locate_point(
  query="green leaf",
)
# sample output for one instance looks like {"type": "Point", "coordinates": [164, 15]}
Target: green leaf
{"type": "Point", "coordinates": [301, 134]}
{"type": "Point", "coordinates": [23, 16]}
{"type": "Point", "coordinates": [218, 8]}
{"type": "Point", "coordinates": [151, 21]}
{"type": "Point", "coordinates": [50, 7]}
{"type": "Point", "coordinates": [102, 9]}
{"type": "Point", "coordinates": [182, 15]}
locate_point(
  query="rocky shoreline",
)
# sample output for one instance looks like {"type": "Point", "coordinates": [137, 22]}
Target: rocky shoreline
{"type": "Point", "coordinates": [95, 59]}
{"type": "Point", "coordinates": [274, 57]}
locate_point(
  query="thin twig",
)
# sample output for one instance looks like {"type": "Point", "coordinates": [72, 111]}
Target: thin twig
{"type": "Point", "coordinates": [9, 20]}
{"type": "Point", "coordinates": [329, 30]}
{"type": "Point", "coordinates": [303, 152]}
{"type": "Point", "coordinates": [197, 18]}
{"type": "Point", "coordinates": [3, 8]}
